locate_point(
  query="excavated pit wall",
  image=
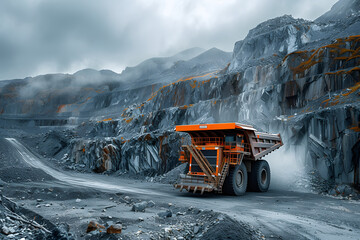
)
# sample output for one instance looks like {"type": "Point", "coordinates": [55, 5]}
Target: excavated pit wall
{"type": "Point", "coordinates": [318, 103]}
{"type": "Point", "coordinates": [146, 154]}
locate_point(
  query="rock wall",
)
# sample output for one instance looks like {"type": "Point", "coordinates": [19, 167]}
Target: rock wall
{"type": "Point", "coordinates": [309, 96]}
{"type": "Point", "coordinates": [96, 155]}
{"type": "Point", "coordinates": [147, 154]}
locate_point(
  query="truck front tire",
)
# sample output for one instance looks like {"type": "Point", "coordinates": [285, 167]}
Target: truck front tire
{"type": "Point", "coordinates": [259, 177]}
{"type": "Point", "coordinates": [236, 182]}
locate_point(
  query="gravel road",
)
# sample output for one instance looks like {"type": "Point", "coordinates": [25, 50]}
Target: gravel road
{"type": "Point", "coordinates": [277, 214]}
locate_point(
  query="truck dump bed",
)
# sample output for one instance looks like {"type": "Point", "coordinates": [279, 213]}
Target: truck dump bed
{"type": "Point", "coordinates": [260, 143]}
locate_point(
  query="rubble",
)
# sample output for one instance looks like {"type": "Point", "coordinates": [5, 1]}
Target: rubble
{"type": "Point", "coordinates": [139, 207]}
{"type": "Point", "coordinates": [344, 191]}
{"type": "Point", "coordinates": [165, 214]}
{"type": "Point", "coordinates": [114, 229]}
{"type": "Point", "coordinates": [150, 204]}
{"type": "Point", "coordinates": [20, 223]}
{"type": "Point", "coordinates": [93, 225]}
{"type": "Point", "coordinates": [208, 225]}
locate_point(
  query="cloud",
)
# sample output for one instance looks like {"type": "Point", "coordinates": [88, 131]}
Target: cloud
{"type": "Point", "coordinates": [40, 36]}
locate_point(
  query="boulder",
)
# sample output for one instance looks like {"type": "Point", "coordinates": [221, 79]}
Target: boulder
{"type": "Point", "coordinates": [139, 207]}
{"type": "Point", "coordinates": [92, 226]}
{"type": "Point", "coordinates": [116, 228]}
{"type": "Point", "coordinates": [150, 203]}
{"type": "Point", "coordinates": [165, 214]}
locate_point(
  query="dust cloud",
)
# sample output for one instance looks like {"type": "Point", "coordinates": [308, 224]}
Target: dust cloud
{"type": "Point", "coordinates": [287, 166]}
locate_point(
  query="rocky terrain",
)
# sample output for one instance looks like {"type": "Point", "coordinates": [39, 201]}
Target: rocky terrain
{"type": "Point", "coordinates": [293, 76]}
{"type": "Point", "coordinates": [100, 206]}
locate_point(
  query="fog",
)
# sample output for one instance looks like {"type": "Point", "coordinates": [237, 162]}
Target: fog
{"type": "Point", "coordinates": [287, 166]}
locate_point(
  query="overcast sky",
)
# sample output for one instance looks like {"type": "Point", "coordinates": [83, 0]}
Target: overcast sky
{"type": "Point", "coordinates": [63, 36]}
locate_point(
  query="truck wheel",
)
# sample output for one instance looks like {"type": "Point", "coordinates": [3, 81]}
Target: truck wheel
{"type": "Point", "coordinates": [259, 177]}
{"type": "Point", "coordinates": [236, 182]}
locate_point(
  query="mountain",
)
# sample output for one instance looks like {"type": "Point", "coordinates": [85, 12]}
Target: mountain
{"type": "Point", "coordinates": [341, 11]}
{"type": "Point", "coordinates": [209, 61]}
{"type": "Point", "coordinates": [82, 90]}
{"type": "Point", "coordinates": [152, 67]}
{"type": "Point", "coordinates": [188, 63]}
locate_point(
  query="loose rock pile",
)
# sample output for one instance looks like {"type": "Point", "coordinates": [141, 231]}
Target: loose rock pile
{"type": "Point", "coordinates": [317, 184]}
{"type": "Point", "coordinates": [345, 192]}
{"type": "Point", "coordinates": [19, 223]}
{"type": "Point", "coordinates": [198, 224]}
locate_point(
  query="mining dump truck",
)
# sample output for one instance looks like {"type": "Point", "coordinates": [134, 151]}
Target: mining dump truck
{"type": "Point", "coordinates": [226, 158]}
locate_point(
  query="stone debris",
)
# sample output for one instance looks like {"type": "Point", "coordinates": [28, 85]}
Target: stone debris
{"type": "Point", "coordinates": [150, 204]}
{"type": "Point", "coordinates": [206, 225]}
{"type": "Point", "coordinates": [7, 230]}
{"type": "Point", "coordinates": [15, 224]}
{"type": "Point", "coordinates": [139, 207]}
{"type": "Point", "coordinates": [117, 228]}
{"type": "Point", "coordinates": [345, 192]}
{"type": "Point", "coordinates": [173, 175]}
{"type": "Point", "coordinates": [165, 214]}
{"type": "Point", "coordinates": [111, 206]}
{"type": "Point", "coordinates": [93, 225]}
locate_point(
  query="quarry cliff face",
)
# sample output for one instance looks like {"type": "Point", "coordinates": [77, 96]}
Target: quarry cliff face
{"type": "Point", "coordinates": [293, 76]}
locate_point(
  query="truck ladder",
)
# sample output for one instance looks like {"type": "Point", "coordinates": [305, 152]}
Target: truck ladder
{"type": "Point", "coordinates": [224, 172]}
{"type": "Point", "coordinates": [201, 161]}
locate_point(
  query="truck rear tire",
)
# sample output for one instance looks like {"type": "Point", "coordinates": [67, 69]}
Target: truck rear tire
{"type": "Point", "coordinates": [259, 177]}
{"type": "Point", "coordinates": [236, 182]}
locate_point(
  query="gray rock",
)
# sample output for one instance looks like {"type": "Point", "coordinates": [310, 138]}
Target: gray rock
{"type": "Point", "coordinates": [165, 214]}
{"type": "Point", "coordinates": [150, 203]}
{"type": "Point", "coordinates": [114, 229]}
{"type": "Point", "coordinates": [196, 229]}
{"type": "Point", "coordinates": [139, 207]}
{"type": "Point", "coordinates": [5, 230]}
{"type": "Point", "coordinates": [333, 192]}
{"type": "Point", "coordinates": [341, 189]}
{"type": "Point", "coordinates": [348, 190]}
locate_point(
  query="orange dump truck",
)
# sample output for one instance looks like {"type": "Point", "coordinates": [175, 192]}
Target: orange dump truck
{"type": "Point", "coordinates": [226, 157]}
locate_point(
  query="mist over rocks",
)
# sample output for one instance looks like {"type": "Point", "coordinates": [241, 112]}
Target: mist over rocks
{"type": "Point", "coordinates": [341, 11]}
{"type": "Point", "coordinates": [153, 67]}
{"type": "Point", "coordinates": [293, 76]}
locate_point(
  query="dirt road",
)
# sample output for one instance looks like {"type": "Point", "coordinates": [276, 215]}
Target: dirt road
{"type": "Point", "coordinates": [278, 214]}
